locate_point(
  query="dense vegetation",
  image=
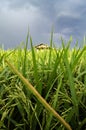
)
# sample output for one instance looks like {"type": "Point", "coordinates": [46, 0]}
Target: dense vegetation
{"type": "Point", "coordinates": [59, 75]}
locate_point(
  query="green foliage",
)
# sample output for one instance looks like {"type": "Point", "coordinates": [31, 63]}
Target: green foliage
{"type": "Point", "coordinates": [59, 75]}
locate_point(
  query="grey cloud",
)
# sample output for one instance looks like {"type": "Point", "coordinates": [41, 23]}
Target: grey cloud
{"type": "Point", "coordinates": [68, 25]}
{"type": "Point", "coordinates": [68, 18]}
{"type": "Point", "coordinates": [71, 19]}
{"type": "Point", "coordinates": [67, 21]}
{"type": "Point", "coordinates": [45, 7]}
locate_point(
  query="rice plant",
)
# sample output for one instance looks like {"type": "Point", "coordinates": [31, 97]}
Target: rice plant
{"type": "Point", "coordinates": [43, 89]}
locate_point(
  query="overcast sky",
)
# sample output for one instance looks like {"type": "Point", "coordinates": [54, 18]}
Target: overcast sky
{"type": "Point", "coordinates": [68, 18]}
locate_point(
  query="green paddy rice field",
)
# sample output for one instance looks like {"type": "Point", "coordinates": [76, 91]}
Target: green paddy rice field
{"type": "Point", "coordinates": [43, 89]}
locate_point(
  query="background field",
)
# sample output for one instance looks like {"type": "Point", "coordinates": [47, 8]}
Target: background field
{"type": "Point", "coordinates": [59, 75]}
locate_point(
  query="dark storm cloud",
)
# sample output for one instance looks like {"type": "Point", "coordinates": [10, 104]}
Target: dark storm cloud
{"type": "Point", "coordinates": [68, 24]}
{"type": "Point", "coordinates": [68, 17]}
{"type": "Point", "coordinates": [46, 8]}
{"type": "Point", "coordinates": [15, 18]}
{"type": "Point", "coordinates": [71, 19]}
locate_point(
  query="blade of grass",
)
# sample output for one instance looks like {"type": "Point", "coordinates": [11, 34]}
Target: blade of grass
{"type": "Point", "coordinates": [76, 57]}
{"type": "Point", "coordinates": [38, 84]}
{"type": "Point", "coordinates": [39, 97]}
{"type": "Point", "coordinates": [19, 55]}
{"type": "Point", "coordinates": [51, 43]}
{"type": "Point", "coordinates": [25, 56]}
{"type": "Point", "coordinates": [70, 77]}
{"type": "Point", "coordinates": [53, 73]}
{"type": "Point", "coordinates": [55, 100]}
